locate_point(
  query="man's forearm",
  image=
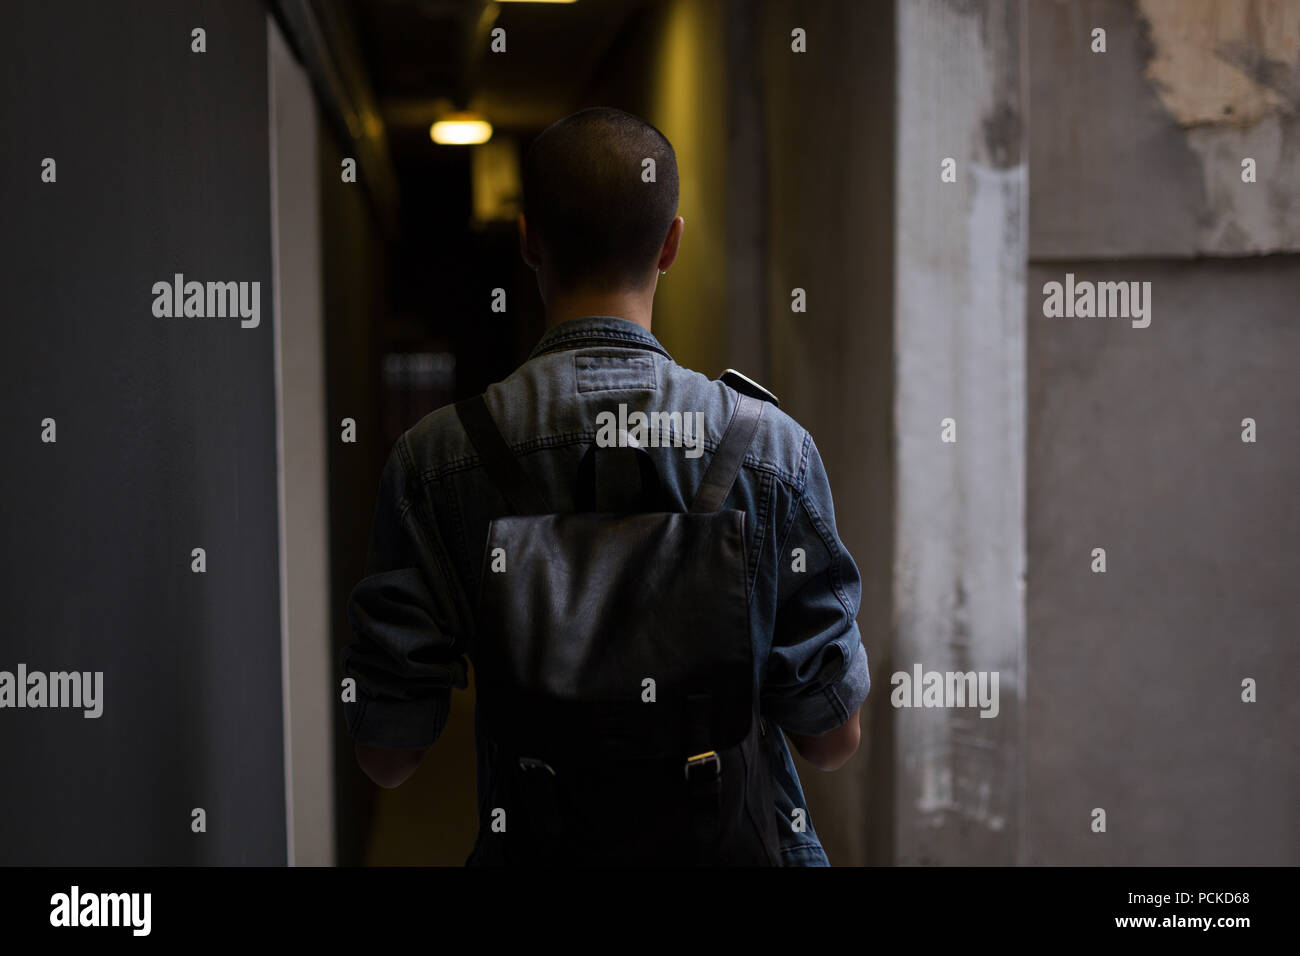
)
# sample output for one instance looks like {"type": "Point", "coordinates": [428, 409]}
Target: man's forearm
{"type": "Point", "coordinates": [832, 750]}
{"type": "Point", "coordinates": [388, 768]}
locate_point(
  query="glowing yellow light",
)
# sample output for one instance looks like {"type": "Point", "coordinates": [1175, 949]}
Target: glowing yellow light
{"type": "Point", "coordinates": [537, 1]}
{"type": "Point", "coordinates": [461, 129]}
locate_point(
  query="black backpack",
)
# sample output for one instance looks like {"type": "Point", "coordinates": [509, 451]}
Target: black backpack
{"type": "Point", "coordinates": [614, 668]}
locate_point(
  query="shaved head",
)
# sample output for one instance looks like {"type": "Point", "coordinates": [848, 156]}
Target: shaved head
{"type": "Point", "coordinates": [600, 226]}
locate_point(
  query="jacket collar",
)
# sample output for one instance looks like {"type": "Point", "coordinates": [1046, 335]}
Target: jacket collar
{"type": "Point", "coordinates": [597, 330]}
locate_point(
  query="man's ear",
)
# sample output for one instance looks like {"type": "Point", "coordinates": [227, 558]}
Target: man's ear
{"type": "Point", "coordinates": [668, 254]}
{"type": "Point", "coordinates": [525, 242]}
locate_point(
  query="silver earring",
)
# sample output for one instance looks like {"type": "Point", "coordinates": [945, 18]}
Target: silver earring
{"type": "Point", "coordinates": [664, 273]}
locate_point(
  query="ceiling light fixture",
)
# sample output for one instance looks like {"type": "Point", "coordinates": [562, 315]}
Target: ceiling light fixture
{"type": "Point", "coordinates": [461, 129]}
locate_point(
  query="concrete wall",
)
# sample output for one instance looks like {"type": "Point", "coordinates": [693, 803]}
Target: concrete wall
{"type": "Point", "coordinates": [1135, 675]}
{"type": "Point", "coordinates": [959, 412]}
{"type": "Point", "coordinates": [829, 221]}
{"type": "Point", "coordinates": [166, 438]}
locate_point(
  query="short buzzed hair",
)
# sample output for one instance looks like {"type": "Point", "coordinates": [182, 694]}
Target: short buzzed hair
{"type": "Point", "coordinates": [601, 225]}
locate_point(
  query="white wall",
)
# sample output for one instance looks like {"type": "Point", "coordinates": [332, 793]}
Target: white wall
{"type": "Point", "coordinates": [301, 431]}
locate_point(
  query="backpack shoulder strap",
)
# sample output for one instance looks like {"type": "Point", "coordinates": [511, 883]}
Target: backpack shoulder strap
{"type": "Point", "coordinates": [502, 466]}
{"type": "Point", "coordinates": [726, 462]}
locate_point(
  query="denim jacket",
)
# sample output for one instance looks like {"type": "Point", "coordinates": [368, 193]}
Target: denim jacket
{"type": "Point", "coordinates": [412, 613]}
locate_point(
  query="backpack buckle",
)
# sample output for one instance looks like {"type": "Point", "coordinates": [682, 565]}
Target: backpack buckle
{"type": "Point", "coordinates": [707, 759]}
{"type": "Point", "coordinates": [542, 809]}
{"type": "Point", "coordinates": [532, 763]}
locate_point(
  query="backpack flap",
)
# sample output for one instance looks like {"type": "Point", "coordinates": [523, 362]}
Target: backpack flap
{"type": "Point", "coordinates": [615, 636]}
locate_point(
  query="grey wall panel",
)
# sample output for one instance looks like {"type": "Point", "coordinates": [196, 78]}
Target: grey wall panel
{"type": "Point", "coordinates": [1135, 675]}
{"type": "Point", "coordinates": [165, 437]}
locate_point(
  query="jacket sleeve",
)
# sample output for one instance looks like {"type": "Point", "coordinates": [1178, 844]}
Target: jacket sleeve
{"type": "Point", "coordinates": [817, 672]}
{"type": "Point", "coordinates": [408, 653]}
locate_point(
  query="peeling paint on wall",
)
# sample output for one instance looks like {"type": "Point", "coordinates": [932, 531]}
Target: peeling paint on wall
{"type": "Point", "coordinates": [1139, 153]}
{"type": "Point", "coordinates": [1224, 62]}
{"type": "Point", "coordinates": [1248, 220]}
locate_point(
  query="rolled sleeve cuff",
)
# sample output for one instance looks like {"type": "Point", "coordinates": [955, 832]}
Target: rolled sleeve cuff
{"type": "Point", "coordinates": [804, 854]}
{"type": "Point", "coordinates": [398, 724]}
{"type": "Point", "coordinates": [828, 705]}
